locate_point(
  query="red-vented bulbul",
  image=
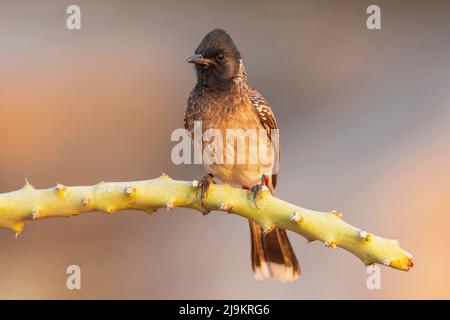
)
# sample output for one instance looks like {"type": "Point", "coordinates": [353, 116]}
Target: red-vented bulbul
{"type": "Point", "coordinates": [222, 99]}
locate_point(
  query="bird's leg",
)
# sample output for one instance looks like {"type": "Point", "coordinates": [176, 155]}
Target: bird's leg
{"type": "Point", "coordinates": [254, 191]}
{"type": "Point", "coordinates": [203, 187]}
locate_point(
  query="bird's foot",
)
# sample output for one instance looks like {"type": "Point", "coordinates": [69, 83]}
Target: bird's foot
{"type": "Point", "coordinates": [203, 187]}
{"type": "Point", "coordinates": [255, 191]}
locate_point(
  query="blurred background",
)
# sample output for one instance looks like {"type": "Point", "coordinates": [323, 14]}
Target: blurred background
{"type": "Point", "coordinates": [365, 129]}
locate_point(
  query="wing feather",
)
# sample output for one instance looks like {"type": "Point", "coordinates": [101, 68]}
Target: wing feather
{"type": "Point", "coordinates": [269, 122]}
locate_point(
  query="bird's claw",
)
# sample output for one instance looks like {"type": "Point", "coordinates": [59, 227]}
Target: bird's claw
{"type": "Point", "coordinates": [203, 187]}
{"type": "Point", "coordinates": [254, 191]}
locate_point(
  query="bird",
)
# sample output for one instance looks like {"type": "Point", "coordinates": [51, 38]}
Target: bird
{"type": "Point", "coordinates": [223, 99]}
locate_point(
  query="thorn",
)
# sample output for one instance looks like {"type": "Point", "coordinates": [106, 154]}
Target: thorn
{"type": "Point", "coordinates": [87, 202]}
{"type": "Point", "coordinates": [330, 244]}
{"type": "Point", "coordinates": [365, 235]}
{"type": "Point", "coordinates": [386, 262]}
{"type": "Point", "coordinates": [410, 264]}
{"type": "Point", "coordinates": [60, 187]}
{"type": "Point", "coordinates": [205, 211]}
{"type": "Point", "coordinates": [295, 216]}
{"type": "Point", "coordinates": [225, 206]}
{"type": "Point", "coordinates": [170, 205]}
{"type": "Point", "coordinates": [129, 190]}
{"type": "Point", "coordinates": [17, 228]}
{"type": "Point", "coordinates": [337, 214]}
{"type": "Point", "coordinates": [164, 175]}
{"type": "Point", "coordinates": [151, 211]}
{"type": "Point", "coordinates": [195, 183]}
{"type": "Point", "coordinates": [35, 215]}
{"type": "Point", "coordinates": [27, 185]}
{"type": "Point", "coordinates": [268, 229]}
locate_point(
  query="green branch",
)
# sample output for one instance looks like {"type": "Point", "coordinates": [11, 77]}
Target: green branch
{"type": "Point", "coordinates": [28, 204]}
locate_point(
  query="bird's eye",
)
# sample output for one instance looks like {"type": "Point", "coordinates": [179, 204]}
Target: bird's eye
{"type": "Point", "coordinates": [219, 57]}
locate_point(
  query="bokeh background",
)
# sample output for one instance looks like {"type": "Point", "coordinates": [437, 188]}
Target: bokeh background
{"type": "Point", "coordinates": [365, 129]}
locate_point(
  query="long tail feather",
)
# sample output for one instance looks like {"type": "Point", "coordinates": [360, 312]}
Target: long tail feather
{"type": "Point", "coordinates": [272, 255]}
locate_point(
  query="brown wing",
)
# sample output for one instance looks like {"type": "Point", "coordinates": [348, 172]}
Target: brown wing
{"type": "Point", "coordinates": [269, 122]}
{"type": "Point", "coordinates": [189, 114]}
{"type": "Point", "coordinates": [264, 111]}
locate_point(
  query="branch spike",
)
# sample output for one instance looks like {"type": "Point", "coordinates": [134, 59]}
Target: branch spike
{"type": "Point", "coordinates": [410, 264]}
{"type": "Point", "coordinates": [365, 235]}
{"type": "Point", "coordinates": [60, 188]}
{"type": "Point", "coordinates": [170, 205]}
{"type": "Point", "coordinates": [34, 215]}
{"type": "Point", "coordinates": [164, 175]}
{"type": "Point", "coordinates": [130, 190]}
{"type": "Point", "coordinates": [337, 214]}
{"type": "Point", "coordinates": [27, 185]}
{"type": "Point", "coordinates": [295, 216]}
{"type": "Point", "coordinates": [17, 228]}
{"type": "Point", "coordinates": [225, 206]}
{"type": "Point", "coordinates": [86, 202]}
{"type": "Point", "coordinates": [331, 244]}
{"type": "Point", "coordinates": [150, 211]}
{"type": "Point", "coordinates": [268, 228]}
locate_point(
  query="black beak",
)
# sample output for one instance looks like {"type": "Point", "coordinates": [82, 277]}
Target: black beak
{"type": "Point", "coordinates": [198, 59]}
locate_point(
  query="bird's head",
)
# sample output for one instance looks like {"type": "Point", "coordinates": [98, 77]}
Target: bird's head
{"type": "Point", "coordinates": [217, 59]}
